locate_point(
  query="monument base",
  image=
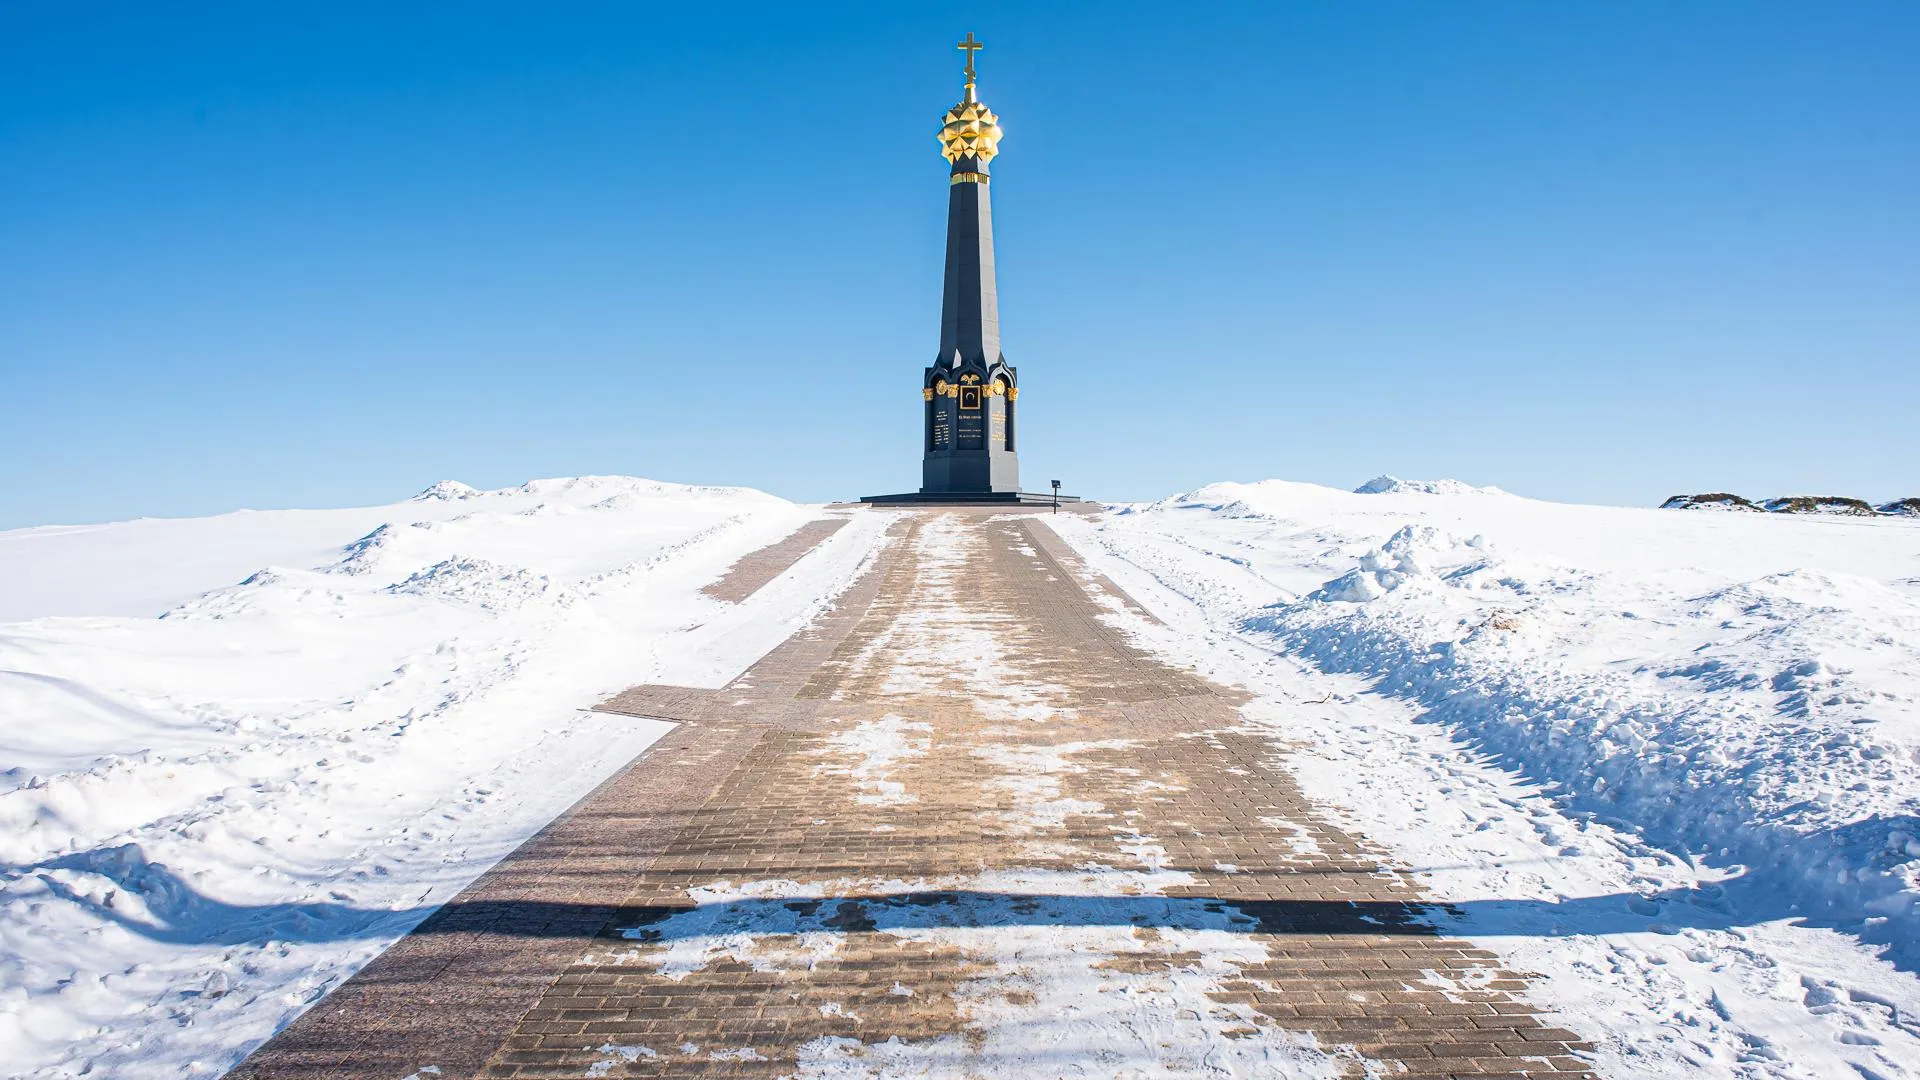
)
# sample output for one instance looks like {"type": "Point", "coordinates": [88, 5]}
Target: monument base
{"type": "Point", "coordinates": [968, 498]}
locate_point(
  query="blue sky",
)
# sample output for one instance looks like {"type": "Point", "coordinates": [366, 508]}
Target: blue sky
{"type": "Point", "coordinates": [310, 255]}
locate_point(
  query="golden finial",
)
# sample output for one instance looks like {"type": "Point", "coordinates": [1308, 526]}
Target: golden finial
{"type": "Point", "coordinates": [971, 129]}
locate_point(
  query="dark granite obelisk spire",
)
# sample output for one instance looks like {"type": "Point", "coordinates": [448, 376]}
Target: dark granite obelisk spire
{"type": "Point", "coordinates": [969, 310]}
{"type": "Point", "coordinates": [970, 391]}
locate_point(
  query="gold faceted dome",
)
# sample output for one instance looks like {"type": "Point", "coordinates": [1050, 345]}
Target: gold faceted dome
{"type": "Point", "coordinates": [971, 129]}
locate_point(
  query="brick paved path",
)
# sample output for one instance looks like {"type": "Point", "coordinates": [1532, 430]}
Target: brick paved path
{"type": "Point", "coordinates": [957, 828]}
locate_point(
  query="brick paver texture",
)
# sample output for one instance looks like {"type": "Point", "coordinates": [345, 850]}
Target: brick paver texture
{"type": "Point", "coordinates": [959, 812]}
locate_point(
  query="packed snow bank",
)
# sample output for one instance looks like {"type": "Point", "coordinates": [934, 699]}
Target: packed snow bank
{"type": "Point", "coordinates": [210, 817]}
{"type": "Point", "coordinates": [1741, 688]}
{"type": "Point", "coordinates": [1671, 761]}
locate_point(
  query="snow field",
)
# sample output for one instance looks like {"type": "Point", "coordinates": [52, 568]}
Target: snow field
{"type": "Point", "coordinates": [211, 817]}
{"type": "Point", "coordinates": [1665, 760]}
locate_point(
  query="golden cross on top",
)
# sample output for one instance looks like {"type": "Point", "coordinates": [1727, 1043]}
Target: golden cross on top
{"type": "Point", "coordinates": [971, 46]}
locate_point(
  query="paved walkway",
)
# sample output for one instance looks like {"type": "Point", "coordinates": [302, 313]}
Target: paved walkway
{"type": "Point", "coordinates": [959, 827]}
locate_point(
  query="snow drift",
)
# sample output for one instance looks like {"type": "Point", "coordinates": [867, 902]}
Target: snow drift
{"type": "Point", "coordinates": [1739, 688]}
{"type": "Point", "coordinates": [241, 754]}
{"type": "Point", "coordinates": [1667, 761]}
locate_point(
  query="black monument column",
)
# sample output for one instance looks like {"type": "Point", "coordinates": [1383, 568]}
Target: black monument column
{"type": "Point", "coordinates": [970, 391]}
{"type": "Point", "coordinates": [970, 394]}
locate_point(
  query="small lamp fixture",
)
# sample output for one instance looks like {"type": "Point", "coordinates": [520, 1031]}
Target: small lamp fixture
{"type": "Point", "coordinates": [1056, 496]}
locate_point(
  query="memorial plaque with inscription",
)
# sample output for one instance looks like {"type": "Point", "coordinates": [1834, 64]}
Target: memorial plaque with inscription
{"type": "Point", "coordinates": [942, 430]}
{"type": "Point", "coordinates": [997, 427]}
{"type": "Point", "coordinates": [972, 430]}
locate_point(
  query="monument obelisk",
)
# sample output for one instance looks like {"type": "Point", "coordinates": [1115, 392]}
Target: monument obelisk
{"type": "Point", "coordinates": [970, 393]}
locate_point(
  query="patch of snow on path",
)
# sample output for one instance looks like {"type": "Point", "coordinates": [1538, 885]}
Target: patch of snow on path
{"type": "Point", "coordinates": [943, 644]}
{"type": "Point", "coordinates": [876, 747]}
{"type": "Point", "coordinates": [1049, 992]}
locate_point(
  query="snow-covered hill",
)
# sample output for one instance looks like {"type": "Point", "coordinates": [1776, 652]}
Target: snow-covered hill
{"type": "Point", "coordinates": [1593, 726]}
{"type": "Point", "coordinates": [240, 754]}
{"type": "Point", "coordinates": [1670, 761]}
